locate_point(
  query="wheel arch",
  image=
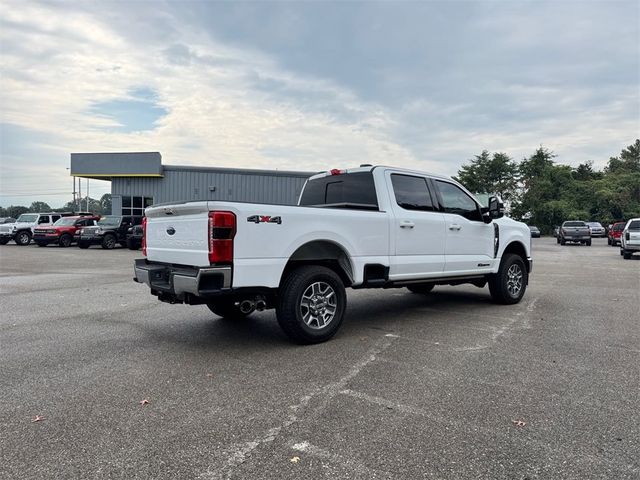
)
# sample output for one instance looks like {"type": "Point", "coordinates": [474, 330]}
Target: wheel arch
{"type": "Point", "coordinates": [326, 253]}
{"type": "Point", "coordinates": [516, 247]}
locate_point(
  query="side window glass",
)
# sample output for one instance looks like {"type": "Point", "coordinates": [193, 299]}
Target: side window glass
{"type": "Point", "coordinates": [43, 219]}
{"type": "Point", "coordinates": [412, 193]}
{"type": "Point", "coordinates": [456, 201]}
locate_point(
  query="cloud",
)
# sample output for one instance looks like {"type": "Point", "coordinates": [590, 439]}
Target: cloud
{"type": "Point", "coordinates": [310, 86]}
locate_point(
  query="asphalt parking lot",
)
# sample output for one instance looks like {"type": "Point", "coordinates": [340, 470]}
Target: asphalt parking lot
{"type": "Point", "coordinates": [447, 385]}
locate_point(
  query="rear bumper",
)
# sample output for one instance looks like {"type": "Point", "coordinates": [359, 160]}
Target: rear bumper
{"type": "Point", "coordinates": [530, 262]}
{"type": "Point", "coordinates": [577, 238]}
{"type": "Point", "coordinates": [182, 283]}
{"type": "Point", "coordinates": [631, 248]}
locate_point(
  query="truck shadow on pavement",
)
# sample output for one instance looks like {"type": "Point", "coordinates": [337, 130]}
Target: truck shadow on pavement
{"type": "Point", "coordinates": [377, 311]}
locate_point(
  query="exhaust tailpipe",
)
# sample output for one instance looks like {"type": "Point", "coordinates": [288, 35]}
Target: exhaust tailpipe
{"type": "Point", "coordinates": [247, 306]}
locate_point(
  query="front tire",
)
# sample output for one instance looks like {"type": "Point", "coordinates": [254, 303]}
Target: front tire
{"type": "Point", "coordinates": [65, 241]}
{"type": "Point", "coordinates": [109, 242]}
{"type": "Point", "coordinates": [509, 284]}
{"type": "Point", "coordinates": [227, 309]}
{"type": "Point", "coordinates": [422, 288]}
{"type": "Point", "coordinates": [311, 304]}
{"type": "Point", "coordinates": [23, 238]}
{"type": "Point", "coordinates": [83, 245]}
{"type": "Point", "coordinates": [588, 243]}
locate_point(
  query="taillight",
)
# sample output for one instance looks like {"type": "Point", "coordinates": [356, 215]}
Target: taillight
{"type": "Point", "coordinates": [627, 236]}
{"type": "Point", "coordinates": [144, 236]}
{"type": "Point", "coordinates": [222, 229]}
{"type": "Point", "coordinates": [336, 171]}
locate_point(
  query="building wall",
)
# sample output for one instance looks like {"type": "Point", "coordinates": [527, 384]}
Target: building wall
{"type": "Point", "coordinates": [190, 183]}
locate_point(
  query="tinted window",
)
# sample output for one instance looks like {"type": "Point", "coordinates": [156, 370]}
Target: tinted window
{"type": "Point", "coordinates": [455, 200]}
{"type": "Point", "coordinates": [618, 227]}
{"type": "Point", "coordinates": [354, 190]}
{"type": "Point", "coordinates": [574, 224]}
{"type": "Point", "coordinates": [43, 219]}
{"type": "Point", "coordinates": [412, 193]}
{"type": "Point", "coordinates": [634, 225]}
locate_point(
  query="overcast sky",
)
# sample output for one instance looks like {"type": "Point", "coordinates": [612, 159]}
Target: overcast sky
{"type": "Point", "coordinates": [311, 86]}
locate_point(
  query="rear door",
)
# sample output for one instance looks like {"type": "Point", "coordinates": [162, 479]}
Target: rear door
{"type": "Point", "coordinates": [418, 228]}
{"type": "Point", "coordinates": [469, 241]}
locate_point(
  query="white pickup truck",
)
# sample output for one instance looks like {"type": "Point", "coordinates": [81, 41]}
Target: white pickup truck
{"type": "Point", "coordinates": [368, 227]}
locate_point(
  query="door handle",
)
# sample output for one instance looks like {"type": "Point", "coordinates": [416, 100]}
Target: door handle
{"type": "Point", "coordinates": [454, 226]}
{"type": "Point", "coordinates": [407, 224]}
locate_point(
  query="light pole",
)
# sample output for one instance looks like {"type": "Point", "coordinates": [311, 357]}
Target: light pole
{"type": "Point", "coordinates": [74, 190]}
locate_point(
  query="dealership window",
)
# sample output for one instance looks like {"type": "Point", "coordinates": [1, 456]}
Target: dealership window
{"type": "Point", "coordinates": [135, 206]}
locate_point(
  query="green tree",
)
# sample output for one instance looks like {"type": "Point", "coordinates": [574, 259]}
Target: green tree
{"type": "Point", "coordinates": [488, 173]}
{"type": "Point", "coordinates": [37, 207]}
{"type": "Point", "coordinates": [105, 204]}
{"type": "Point", "coordinates": [16, 210]}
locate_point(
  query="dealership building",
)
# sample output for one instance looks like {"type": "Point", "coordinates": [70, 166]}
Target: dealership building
{"type": "Point", "coordinates": [140, 179]}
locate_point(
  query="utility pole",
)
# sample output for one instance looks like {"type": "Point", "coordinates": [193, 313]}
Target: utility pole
{"type": "Point", "coordinates": [87, 196]}
{"type": "Point", "coordinates": [79, 194]}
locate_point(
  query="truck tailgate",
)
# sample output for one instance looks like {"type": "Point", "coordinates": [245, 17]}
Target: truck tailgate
{"type": "Point", "coordinates": [178, 234]}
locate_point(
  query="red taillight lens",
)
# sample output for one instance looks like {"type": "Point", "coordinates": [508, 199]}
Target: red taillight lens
{"type": "Point", "coordinates": [336, 171]}
{"type": "Point", "coordinates": [222, 229]}
{"type": "Point", "coordinates": [144, 236]}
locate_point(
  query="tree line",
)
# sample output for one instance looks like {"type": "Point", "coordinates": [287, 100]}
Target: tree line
{"type": "Point", "coordinates": [544, 193]}
{"type": "Point", "coordinates": [101, 206]}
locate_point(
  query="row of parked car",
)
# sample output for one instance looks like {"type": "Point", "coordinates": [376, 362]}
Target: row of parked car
{"type": "Point", "coordinates": [626, 234]}
{"type": "Point", "coordinates": [66, 228]}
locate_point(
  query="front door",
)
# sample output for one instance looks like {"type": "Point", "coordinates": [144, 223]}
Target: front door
{"type": "Point", "coordinates": [469, 243]}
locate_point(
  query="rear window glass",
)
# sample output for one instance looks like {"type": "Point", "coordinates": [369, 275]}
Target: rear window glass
{"type": "Point", "coordinates": [618, 227]}
{"type": "Point", "coordinates": [353, 190]}
{"type": "Point", "coordinates": [634, 225]}
{"type": "Point", "coordinates": [574, 224]}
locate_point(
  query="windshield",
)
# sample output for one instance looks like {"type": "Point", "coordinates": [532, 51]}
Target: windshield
{"type": "Point", "coordinates": [574, 224]}
{"type": "Point", "coordinates": [27, 218]}
{"type": "Point", "coordinates": [594, 224]}
{"type": "Point", "coordinates": [109, 221]}
{"type": "Point", "coordinates": [618, 227]}
{"type": "Point", "coordinates": [66, 221]}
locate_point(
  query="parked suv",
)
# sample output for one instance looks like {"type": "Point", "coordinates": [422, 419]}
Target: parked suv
{"type": "Point", "coordinates": [22, 230]}
{"type": "Point", "coordinates": [110, 231]}
{"type": "Point", "coordinates": [134, 237]}
{"type": "Point", "coordinates": [615, 232]}
{"type": "Point", "coordinates": [574, 231]}
{"type": "Point", "coordinates": [62, 232]}
{"type": "Point", "coordinates": [630, 238]}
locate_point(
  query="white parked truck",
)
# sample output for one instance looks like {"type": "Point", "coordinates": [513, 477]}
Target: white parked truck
{"type": "Point", "coordinates": [368, 227]}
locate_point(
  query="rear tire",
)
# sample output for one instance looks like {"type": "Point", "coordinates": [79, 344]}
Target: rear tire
{"type": "Point", "coordinates": [608, 241]}
{"type": "Point", "coordinates": [311, 304]}
{"type": "Point", "coordinates": [509, 284]}
{"type": "Point", "coordinates": [65, 241]}
{"type": "Point", "coordinates": [588, 243]}
{"type": "Point", "coordinates": [132, 245]}
{"type": "Point", "coordinates": [227, 309]}
{"type": "Point", "coordinates": [109, 242]}
{"type": "Point", "coordinates": [562, 241]}
{"type": "Point", "coordinates": [558, 240]}
{"type": "Point", "coordinates": [4, 241]}
{"type": "Point", "coordinates": [23, 238]}
{"type": "Point", "coordinates": [626, 255]}
{"type": "Point", "coordinates": [421, 288]}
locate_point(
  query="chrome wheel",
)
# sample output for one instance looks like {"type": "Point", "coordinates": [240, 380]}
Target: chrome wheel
{"type": "Point", "coordinates": [514, 280]}
{"type": "Point", "coordinates": [318, 305]}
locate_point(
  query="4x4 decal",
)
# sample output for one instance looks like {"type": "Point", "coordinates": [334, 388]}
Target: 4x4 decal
{"type": "Point", "coordinates": [264, 219]}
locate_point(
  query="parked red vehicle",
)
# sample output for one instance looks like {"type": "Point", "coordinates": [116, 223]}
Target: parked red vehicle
{"type": "Point", "coordinates": [614, 233]}
{"type": "Point", "coordinates": [62, 232]}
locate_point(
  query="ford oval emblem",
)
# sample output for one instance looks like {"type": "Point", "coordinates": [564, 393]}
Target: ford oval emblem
{"type": "Point", "coordinates": [171, 230]}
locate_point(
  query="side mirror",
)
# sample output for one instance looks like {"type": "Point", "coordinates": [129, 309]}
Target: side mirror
{"type": "Point", "coordinates": [496, 208]}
